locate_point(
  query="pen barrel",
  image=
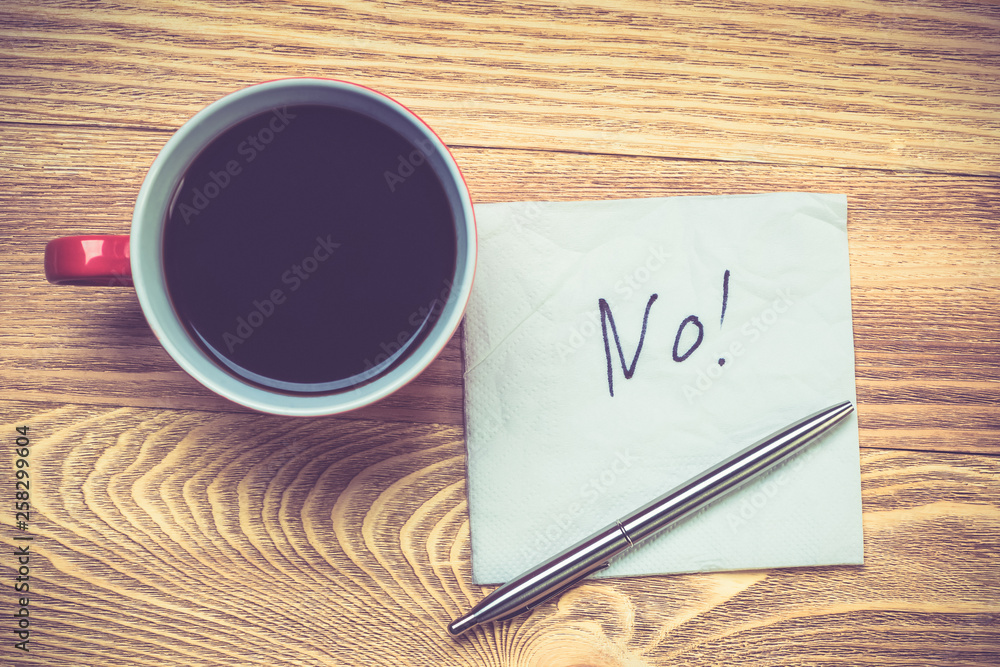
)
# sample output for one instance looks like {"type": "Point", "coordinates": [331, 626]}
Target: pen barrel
{"type": "Point", "coordinates": [568, 567]}
{"type": "Point", "coordinates": [594, 553]}
{"type": "Point", "coordinates": [730, 474]}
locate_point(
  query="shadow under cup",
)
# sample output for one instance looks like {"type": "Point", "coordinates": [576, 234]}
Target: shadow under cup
{"type": "Point", "coordinates": [304, 246]}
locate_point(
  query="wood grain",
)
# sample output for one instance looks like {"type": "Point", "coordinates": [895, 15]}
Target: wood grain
{"type": "Point", "coordinates": [172, 527]}
{"type": "Point", "coordinates": [166, 537]}
{"type": "Point", "coordinates": [907, 85]}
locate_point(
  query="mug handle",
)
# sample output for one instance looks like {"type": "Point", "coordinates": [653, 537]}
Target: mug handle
{"type": "Point", "coordinates": [88, 260]}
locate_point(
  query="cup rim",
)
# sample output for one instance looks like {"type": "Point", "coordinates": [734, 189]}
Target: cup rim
{"type": "Point", "coordinates": [163, 178]}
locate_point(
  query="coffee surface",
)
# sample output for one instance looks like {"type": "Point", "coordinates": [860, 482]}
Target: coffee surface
{"type": "Point", "coordinates": [309, 249]}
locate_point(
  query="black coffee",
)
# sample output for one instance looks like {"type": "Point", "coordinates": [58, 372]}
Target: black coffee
{"type": "Point", "coordinates": [309, 249]}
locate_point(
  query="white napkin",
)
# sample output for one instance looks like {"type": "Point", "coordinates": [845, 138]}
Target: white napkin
{"type": "Point", "coordinates": [554, 456]}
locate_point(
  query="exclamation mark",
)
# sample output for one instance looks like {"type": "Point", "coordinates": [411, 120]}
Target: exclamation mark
{"type": "Point", "coordinates": [725, 302]}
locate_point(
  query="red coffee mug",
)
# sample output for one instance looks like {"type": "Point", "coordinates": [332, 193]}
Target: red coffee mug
{"type": "Point", "coordinates": [137, 259]}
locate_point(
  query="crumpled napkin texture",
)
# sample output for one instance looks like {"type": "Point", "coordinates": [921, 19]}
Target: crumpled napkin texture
{"type": "Point", "coordinates": [742, 307]}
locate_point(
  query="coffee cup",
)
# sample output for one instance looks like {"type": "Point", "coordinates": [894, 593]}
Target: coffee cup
{"type": "Point", "coordinates": [300, 247]}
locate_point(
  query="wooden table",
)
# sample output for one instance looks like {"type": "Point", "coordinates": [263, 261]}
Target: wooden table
{"type": "Point", "coordinates": [170, 527]}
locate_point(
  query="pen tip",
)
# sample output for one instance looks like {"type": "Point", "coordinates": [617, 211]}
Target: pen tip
{"type": "Point", "coordinates": [460, 625]}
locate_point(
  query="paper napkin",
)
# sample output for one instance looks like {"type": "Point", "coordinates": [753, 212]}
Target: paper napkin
{"type": "Point", "coordinates": [742, 308]}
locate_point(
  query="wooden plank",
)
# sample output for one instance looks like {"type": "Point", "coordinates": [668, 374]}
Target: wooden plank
{"type": "Point", "coordinates": [925, 302]}
{"type": "Point", "coordinates": [164, 537]}
{"type": "Point", "coordinates": [901, 85]}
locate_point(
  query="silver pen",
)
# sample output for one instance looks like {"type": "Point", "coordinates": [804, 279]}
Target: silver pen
{"type": "Point", "coordinates": [595, 552]}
